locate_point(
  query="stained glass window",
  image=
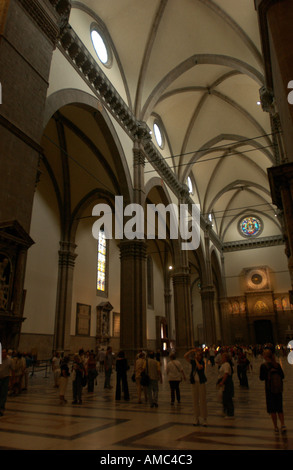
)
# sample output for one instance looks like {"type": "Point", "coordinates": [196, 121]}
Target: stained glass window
{"type": "Point", "coordinates": [101, 262]}
{"type": "Point", "coordinates": [250, 226]}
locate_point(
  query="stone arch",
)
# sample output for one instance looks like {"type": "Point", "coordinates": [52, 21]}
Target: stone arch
{"type": "Point", "coordinates": [71, 96]}
{"type": "Point", "coordinates": [156, 183]}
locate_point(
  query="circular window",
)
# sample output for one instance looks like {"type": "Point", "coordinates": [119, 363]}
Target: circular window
{"type": "Point", "coordinates": [158, 135]}
{"type": "Point", "coordinates": [101, 47]}
{"type": "Point", "coordinates": [250, 226]}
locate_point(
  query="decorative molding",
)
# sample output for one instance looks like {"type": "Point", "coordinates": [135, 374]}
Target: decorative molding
{"type": "Point", "coordinates": [256, 243]}
{"type": "Point", "coordinates": [66, 254]}
{"type": "Point", "coordinates": [44, 16]}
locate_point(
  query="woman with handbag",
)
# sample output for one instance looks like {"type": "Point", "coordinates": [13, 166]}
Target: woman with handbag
{"type": "Point", "coordinates": [175, 373]}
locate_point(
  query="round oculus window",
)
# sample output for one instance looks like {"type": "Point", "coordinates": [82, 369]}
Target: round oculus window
{"type": "Point", "coordinates": [100, 47]}
{"type": "Point", "coordinates": [250, 226]}
{"type": "Point", "coordinates": [189, 184]}
{"type": "Point", "coordinates": [158, 135]}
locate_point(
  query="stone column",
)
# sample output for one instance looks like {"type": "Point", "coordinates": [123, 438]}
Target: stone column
{"type": "Point", "coordinates": [182, 308]}
{"type": "Point", "coordinates": [168, 299]}
{"type": "Point", "coordinates": [182, 289]}
{"type": "Point", "coordinates": [209, 329]}
{"type": "Point", "coordinates": [208, 295]}
{"type": "Point", "coordinates": [275, 22]}
{"type": "Point", "coordinates": [276, 32]}
{"type": "Point", "coordinates": [133, 255]}
{"type": "Point", "coordinates": [64, 296]}
{"type": "Point", "coordinates": [281, 184]}
{"type": "Point", "coordinates": [225, 319]}
{"type": "Point", "coordinates": [28, 35]}
{"type": "Point", "coordinates": [133, 297]}
{"type": "Point", "coordinates": [29, 31]}
{"type": "Point", "coordinates": [138, 173]}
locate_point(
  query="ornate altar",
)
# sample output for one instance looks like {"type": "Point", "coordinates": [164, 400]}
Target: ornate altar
{"type": "Point", "coordinates": [14, 243]}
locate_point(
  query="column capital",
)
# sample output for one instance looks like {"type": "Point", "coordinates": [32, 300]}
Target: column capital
{"type": "Point", "coordinates": [207, 291]}
{"type": "Point", "coordinates": [181, 277]}
{"type": "Point", "coordinates": [133, 249]}
{"type": "Point", "coordinates": [66, 254]}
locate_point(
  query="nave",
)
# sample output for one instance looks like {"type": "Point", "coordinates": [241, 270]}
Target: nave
{"type": "Point", "coordinates": [34, 420]}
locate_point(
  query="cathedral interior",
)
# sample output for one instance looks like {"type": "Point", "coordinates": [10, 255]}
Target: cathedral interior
{"type": "Point", "coordinates": [110, 106]}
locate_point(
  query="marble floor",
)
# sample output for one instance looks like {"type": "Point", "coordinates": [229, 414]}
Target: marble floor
{"type": "Point", "coordinates": [34, 420]}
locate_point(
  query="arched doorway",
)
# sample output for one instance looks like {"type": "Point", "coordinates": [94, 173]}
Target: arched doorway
{"type": "Point", "coordinates": [263, 332]}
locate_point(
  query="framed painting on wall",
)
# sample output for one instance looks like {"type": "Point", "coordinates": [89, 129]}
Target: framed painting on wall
{"type": "Point", "coordinates": [83, 319]}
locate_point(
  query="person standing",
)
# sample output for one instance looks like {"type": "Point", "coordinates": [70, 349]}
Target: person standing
{"type": "Point", "coordinates": [198, 380]}
{"type": "Point", "coordinates": [140, 365]}
{"type": "Point", "coordinates": [108, 365]}
{"type": "Point", "coordinates": [78, 374]}
{"type": "Point", "coordinates": [6, 368]}
{"type": "Point", "coordinates": [121, 376]}
{"type": "Point", "coordinates": [56, 369]}
{"type": "Point", "coordinates": [225, 380]}
{"type": "Point", "coordinates": [272, 374]}
{"type": "Point", "coordinates": [153, 369]}
{"type": "Point", "coordinates": [212, 355]}
{"type": "Point", "coordinates": [17, 374]}
{"type": "Point", "coordinates": [101, 359]}
{"type": "Point", "coordinates": [63, 381]}
{"type": "Point", "coordinates": [92, 373]}
{"type": "Point", "coordinates": [175, 373]}
{"type": "Point", "coordinates": [242, 366]}
{"type": "Point", "coordinates": [28, 364]}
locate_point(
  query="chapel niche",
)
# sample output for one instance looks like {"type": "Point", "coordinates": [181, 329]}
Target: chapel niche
{"type": "Point", "coordinates": [103, 331]}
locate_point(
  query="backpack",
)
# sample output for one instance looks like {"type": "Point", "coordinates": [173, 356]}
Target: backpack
{"type": "Point", "coordinates": [275, 381]}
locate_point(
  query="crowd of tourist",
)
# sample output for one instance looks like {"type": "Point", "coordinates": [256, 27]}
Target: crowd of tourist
{"type": "Point", "coordinates": [82, 370]}
{"type": "Point", "coordinates": [14, 374]}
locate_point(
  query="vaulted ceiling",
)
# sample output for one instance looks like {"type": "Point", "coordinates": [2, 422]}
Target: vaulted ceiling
{"type": "Point", "coordinates": [195, 67]}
